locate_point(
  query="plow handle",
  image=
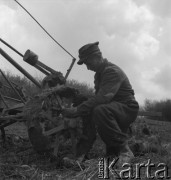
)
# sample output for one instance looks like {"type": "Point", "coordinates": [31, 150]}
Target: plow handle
{"type": "Point", "coordinates": [69, 70]}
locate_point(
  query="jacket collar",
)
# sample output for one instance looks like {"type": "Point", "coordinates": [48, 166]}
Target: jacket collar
{"type": "Point", "coordinates": [102, 66]}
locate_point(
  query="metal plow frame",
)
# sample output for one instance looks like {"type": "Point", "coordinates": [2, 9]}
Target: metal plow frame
{"type": "Point", "coordinates": [7, 119]}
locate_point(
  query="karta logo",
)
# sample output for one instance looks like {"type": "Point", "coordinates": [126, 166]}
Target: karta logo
{"type": "Point", "coordinates": [149, 170]}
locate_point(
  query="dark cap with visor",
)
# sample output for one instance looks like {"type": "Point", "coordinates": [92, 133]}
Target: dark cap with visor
{"type": "Point", "coordinates": [87, 50]}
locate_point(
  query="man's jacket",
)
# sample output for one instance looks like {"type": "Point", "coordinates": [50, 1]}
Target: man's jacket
{"type": "Point", "coordinates": [111, 84]}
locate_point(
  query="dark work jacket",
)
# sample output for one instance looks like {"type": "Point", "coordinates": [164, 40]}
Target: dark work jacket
{"type": "Point", "coordinates": [111, 84]}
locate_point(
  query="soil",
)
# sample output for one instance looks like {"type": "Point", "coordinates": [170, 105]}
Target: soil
{"type": "Point", "coordinates": [18, 160]}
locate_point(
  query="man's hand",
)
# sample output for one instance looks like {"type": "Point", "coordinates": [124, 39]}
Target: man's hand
{"type": "Point", "coordinates": [70, 112]}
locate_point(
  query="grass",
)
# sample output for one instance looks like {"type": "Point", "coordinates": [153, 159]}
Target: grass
{"type": "Point", "coordinates": [18, 160]}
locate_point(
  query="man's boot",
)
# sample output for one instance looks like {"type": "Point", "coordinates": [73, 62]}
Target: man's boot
{"type": "Point", "coordinates": [125, 156]}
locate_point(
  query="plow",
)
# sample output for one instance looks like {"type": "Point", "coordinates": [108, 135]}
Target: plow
{"type": "Point", "coordinates": [52, 138]}
{"type": "Point", "coordinates": [47, 127]}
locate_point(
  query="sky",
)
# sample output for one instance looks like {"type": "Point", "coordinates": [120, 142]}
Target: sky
{"type": "Point", "coordinates": [134, 34]}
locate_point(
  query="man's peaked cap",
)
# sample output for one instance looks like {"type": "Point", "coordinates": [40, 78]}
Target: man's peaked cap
{"type": "Point", "coordinates": [86, 51]}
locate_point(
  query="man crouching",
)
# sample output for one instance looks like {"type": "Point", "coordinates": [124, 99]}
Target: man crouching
{"type": "Point", "coordinates": [111, 111]}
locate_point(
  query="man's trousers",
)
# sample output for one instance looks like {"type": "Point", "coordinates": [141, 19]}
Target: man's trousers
{"type": "Point", "coordinates": [111, 121]}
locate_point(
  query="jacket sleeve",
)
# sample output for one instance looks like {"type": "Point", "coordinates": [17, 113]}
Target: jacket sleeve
{"type": "Point", "coordinates": [110, 83]}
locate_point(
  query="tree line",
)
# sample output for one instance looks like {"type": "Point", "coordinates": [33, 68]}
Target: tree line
{"type": "Point", "coordinates": [163, 106]}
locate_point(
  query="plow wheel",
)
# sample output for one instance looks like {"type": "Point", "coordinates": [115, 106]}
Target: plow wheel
{"type": "Point", "coordinates": [47, 128]}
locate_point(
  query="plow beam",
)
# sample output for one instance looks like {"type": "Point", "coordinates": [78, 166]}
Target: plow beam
{"type": "Point", "coordinates": [32, 59]}
{"type": "Point", "coordinates": [23, 71]}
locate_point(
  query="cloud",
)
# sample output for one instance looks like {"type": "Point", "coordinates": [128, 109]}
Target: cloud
{"type": "Point", "coordinates": [160, 8]}
{"type": "Point", "coordinates": [134, 34]}
{"type": "Point", "coordinates": [157, 7]}
{"type": "Point", "coordinates": [9, 3]}
{"type": "Point", "coordinates": [163, 78]}
{"type": "Point", "coordinates": [145, 45]}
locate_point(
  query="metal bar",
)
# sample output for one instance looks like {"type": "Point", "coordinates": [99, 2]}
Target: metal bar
{"type": "Point", "coordinates": [12, 87]}
{"type": "Point", "coordinates": [5, 118]}
{"type": "Point", "coordinates": [69, 70]}
{"type": "Point", "coordinates": [42, 70]}
{"type": "Point", "coordinates": [13, 99]}
{"type": "Point", "coordinates": [55, 130]}
{"type": "Point", "coordinates": [41, 64]}
{"type": "Point", "coordinates": [11, 47]}
{"type": "Point", "coordinates": [43, 28]}
{"type": "Point", "coordinates": [23, 71]}
{"type": "Point", "coordinates": [39, 68]}
{"type": "Point", "coordinates": [3, 100]}
{"type": "Point", "coordinates": [46, 67]}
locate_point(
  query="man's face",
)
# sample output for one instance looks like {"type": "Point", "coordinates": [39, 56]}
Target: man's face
{"type": "Point", "coordinates": [92, 64]}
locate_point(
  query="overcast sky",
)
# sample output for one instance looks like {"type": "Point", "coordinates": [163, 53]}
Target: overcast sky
{"type": "Point", "coordinates": [134, 34]}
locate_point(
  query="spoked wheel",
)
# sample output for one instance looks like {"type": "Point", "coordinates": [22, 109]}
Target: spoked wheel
{"type": "Point", "coordinates": [46, 125]}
